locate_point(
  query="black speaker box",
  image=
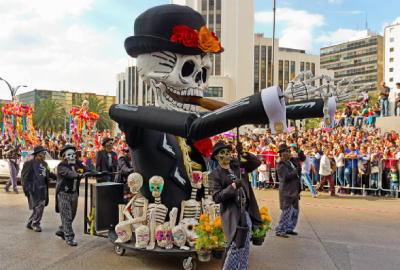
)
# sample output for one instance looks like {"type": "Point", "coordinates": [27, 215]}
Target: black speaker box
{"type": "Point", "coordinates": [105, 198]}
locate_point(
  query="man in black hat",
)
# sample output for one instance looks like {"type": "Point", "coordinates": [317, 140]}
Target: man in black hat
{"type": "Point", "coordinates": [289, 173]}
{"type": "Point", "coordinates": [35, 184]}
{"type": "Point", "coordinates": [124, 168]}
{"type": "Point", "coordinates": [70, 172]}
{"type": "Point", "coordinates": [13, 155]}
{"type": "Point", "coordinates": [106, 161]}
{"type": "Point", "coordinates": [225, 183]}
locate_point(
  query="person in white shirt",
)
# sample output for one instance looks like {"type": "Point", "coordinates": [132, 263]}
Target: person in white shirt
{"type": "Point", "coordinates": [306, 167]}
{"type": "Point", "coordinates": [262, 173]}
{"type": "Point", "coordinates": [325, 170]}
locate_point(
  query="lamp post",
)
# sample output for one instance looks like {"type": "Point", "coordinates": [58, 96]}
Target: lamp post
{"type": "Point", "coordinates": [13, 90]}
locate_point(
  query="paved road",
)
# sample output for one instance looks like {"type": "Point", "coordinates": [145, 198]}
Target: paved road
{"type": "Point", "coordinates": [349, 232]}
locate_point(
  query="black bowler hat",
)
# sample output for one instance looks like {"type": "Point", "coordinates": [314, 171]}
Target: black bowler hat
{"type": "Point", "coordinates": [105, 140]}
{"type": "Point", "coordinates": [38, 149]}
{"type": "Point", "coordinates": [283, 147]}
{"type": "Point", "coordinates": [66, 147]}
{"type": "Point", "coordinates": [154, 28]}
{"type": "Point", "coordinates": [218, 146]}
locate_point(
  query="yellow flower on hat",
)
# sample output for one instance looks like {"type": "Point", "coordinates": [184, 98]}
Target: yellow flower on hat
{"type": "Point", "coordinates": [208, 41]}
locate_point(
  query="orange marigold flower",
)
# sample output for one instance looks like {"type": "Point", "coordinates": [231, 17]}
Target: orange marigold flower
{"type": "Point", "coordinates": [202, 227]}
{"type": "Point", "coordinates": [265, 227]}
{"type": "Point", "coordinates": [208, 228]}
{"type": "Point", "coordinates": [212, 224]}
{"type": "Point", "coordinates": [203, 217]}
{"type": "Point", "coordinates": [208, 41]}
{"type": "Point", "coordinates": [215, 238]}
{"type": "Point", "coordinates": [224, 238]}
{"type": "Point", "coordinates": [206, 224]}
{"type": "Point", "coordinates": [269, 219]}
{"type": "Point", "coordinates": [218, 224]}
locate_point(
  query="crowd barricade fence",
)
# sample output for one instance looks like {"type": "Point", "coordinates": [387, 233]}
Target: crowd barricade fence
{"type": "Point", "coordinates": [387, 186]}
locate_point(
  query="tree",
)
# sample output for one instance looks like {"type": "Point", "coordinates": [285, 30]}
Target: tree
{"type": "Point", "coordinates": [312, 123]}
{"type": "Point", "coordinates": [49, 115]}
{"type": "Point", "coordinates": [98, 106]}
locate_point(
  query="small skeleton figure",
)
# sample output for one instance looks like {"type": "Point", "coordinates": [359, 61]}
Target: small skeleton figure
{"type": "Point", "coordinates": [189, 225]}
{"type": "Point", "coordinates": [209, 207]}
{"type": "Point", "coordinates": [142, 236]}
{"type": "Point", "coordinates": [156, 212]}
{"type": "Point", "coordinates": [179, 237]}
{"type": "Point", "coordinates": [191, 208]}
{"type": "Point", "coordinates": [164, 238]}
{"type": "Point", "coordinates": [138, 205]}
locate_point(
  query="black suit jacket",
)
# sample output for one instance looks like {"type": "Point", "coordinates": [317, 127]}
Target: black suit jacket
{"type": "Point", "coordinates": [102, 164]}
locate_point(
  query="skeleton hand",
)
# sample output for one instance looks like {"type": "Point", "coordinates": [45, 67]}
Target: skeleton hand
{"type": "Point", "coordinates": [151, 245]}
{"type": "Point", "coordinates": [185, 247]}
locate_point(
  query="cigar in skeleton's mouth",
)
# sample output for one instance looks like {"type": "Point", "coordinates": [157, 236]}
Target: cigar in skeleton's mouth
{"type": "Point", "coordinates": [206, 103]}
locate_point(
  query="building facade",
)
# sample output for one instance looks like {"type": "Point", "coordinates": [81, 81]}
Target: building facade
{"type": "Point", "coordinates": [392, 60]}
{"type": "Point", "coordinates": [361, 55]}
{"type": "Point", "coordinates": [287, 64]}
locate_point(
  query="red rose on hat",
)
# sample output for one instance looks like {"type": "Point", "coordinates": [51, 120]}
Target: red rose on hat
{"type": "Point", "coordinates": [185, 35]}
{"type": "Point", "coordinates": [204, 146]}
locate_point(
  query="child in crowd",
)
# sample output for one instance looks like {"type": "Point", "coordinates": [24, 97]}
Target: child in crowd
{"type": "Point", "coordinates": [262, 174]}
{"type": "Point", "coordinates": [394, 180]}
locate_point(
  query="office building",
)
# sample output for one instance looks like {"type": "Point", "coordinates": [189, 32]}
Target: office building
{"type": "Point", "coordinates": [361, 55]}
{"type": "Point", "coordinates": [392, 60]}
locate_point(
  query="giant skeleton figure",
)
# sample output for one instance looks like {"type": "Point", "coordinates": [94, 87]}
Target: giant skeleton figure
{"type": "Point", "coordinates": [172, 47]}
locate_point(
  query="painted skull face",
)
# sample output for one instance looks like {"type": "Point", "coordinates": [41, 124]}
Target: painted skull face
{"type": "Point", "coordinates": [41, 155]}
{"type": "Point", "coordinates": [142, 236]}
{"type": "Point", "coordinates": [189, 225]}
{"type": "Point", "coordinates": [70, 156]}
{"type": "Point", "coordinates": [156, 184]}
{"type": "Point", "coordinates": [224, 156]}
{"type": "Point", "coordinates": [182, 75]}
{"type": "Point", "coordinates": [135, 182]}
{"type": "Point", "coordinates": [109, 145]}
{"type": "Point", "coordinates": [205, 179]}
{"type": "Point", "coordinates": [124, 232]}
{"type": "Point", "coordinates": [179, 235]}
{"type": "Point", "coordinates": [196, 179]}
{"type": "Point", "coordinates": [163, 234]}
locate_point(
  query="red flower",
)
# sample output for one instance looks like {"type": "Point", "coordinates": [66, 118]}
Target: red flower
{"type": "Point", "coordinates": [204, 146]}
{"type": "Point", "coordinates": [186, 36]}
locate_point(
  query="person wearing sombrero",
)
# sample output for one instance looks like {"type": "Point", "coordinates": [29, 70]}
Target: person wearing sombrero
{"type": "Point", "coordinates": [70, 172]}
{"type": "Point", "coordinates": [225, 182]}
{"type": "Point", "coordinates": [106, 161]}
{"type": "Point", "coordinates": [289, 172]}
{"type": "Point", "coordinates": [35, 176]}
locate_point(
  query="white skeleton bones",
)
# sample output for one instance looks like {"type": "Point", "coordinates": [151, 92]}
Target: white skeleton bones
{"type": "Point", "coordinates": [183, 75]}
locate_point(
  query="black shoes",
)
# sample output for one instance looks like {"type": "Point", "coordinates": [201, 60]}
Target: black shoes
{"type": "Point", "coordinates": [60, 234]}
{"type": "Point", "coordinates": [292, 233]}
{"type": "Point", "coordinates": [29, 226]}
{"type": "Point", "coordinates": [284, 235]}
{"type": "Point", "coordinates": [71, 242]}
{"type": "Point", "coordinates": [36, 228]}
{"type": "Point", "coordinates": [6, 189]}
{"type": "Point", "coordinates": [16, 191]}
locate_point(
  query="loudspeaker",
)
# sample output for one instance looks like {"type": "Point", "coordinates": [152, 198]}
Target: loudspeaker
{"type": "Point", "coordinates": [105, 198]}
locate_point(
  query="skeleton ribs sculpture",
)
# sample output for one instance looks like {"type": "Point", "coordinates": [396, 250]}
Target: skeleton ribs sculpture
{"type": "Point", "coordinates": [208, 206]}
{"type": "Point", "coordinates": [192, 208]}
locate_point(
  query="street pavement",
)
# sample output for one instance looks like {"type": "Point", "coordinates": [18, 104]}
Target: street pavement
{"type": "Point", "coordinates": [348, 232]}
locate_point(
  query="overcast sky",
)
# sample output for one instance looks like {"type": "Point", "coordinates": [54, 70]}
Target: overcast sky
{"type": "Point", "coordinates": [77, 45]}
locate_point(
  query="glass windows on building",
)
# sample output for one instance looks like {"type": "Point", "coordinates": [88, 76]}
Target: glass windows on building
{"type": "Point", "coordinates": [391, 50]}
{"type": "Point", "coordinates": [286, 74]}
{"type": "Point", "coordinates": [269, 66]}
{"type": "Point", "coordinates": [390, 69]}
{"type": "Point", "coordinates": [301, 66]}
{"type": "Point", "coordinates": [256, 68]}
{"type": "Point", "coordinates": [390, 79]}
{"type": "Point", "coordinates": [391, 39]}
{"type": "Point", "coordinates": [391, 59]}
{"type": "Point", "coordinates": [307, 66]}
{"type": "Point", "coordinates": [292, 70]}
{"type": "Point", "coordinates": [263, 67]}
{"type": "Point", "coordinates": [313, 72]}
{"type": "Point", "coordinates": [214, 91]}
{"type": "Point", "coordinates": [280, 75]}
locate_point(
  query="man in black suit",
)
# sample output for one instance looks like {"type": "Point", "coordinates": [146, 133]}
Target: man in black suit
{"type": "Point", "coordinates": [225, 182]}
{"type": "Point", "coordinates": [106, 161]}
{"type": "Point", "coordinates": [124, 168]}
{"type": "Point", "coordinates": [35, 183]}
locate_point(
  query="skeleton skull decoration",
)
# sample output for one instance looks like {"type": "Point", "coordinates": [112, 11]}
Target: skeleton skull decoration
{"type": "Point", "coordinates": [189, 225]}
{"type": "Point", "coordinates": [183, 75]}
{"type": "Point", "coordinates": [109, 145]}
{"type": "Point", "coordinates": [156, 184]}
{"type": "Point", "coordinates": [164, 237]}
{"type": "Point", "coordinates": [142, 236]}
{"type": "Point", "coordinates": [179, 235]}
{"type": "Point", "coordinates": [70, 156]}
{"type": "Point", "coordinates": [123, 231]}
{"type": "Point", "coordinates": [224, 156]}
{"type": "Point", "coordinates": [196, 179]}
{"type": "Point", "coordinates": [135, 182]}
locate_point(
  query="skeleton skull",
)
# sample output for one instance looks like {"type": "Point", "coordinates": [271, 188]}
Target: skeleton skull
{"type": "Point", "coordinates": [189, 224]}
{"type": "Point", "coordinates": [142, 236]}
{"type": "Point", "coordinates": [41, 155]}
{"type": "Point", "coordinates": [124, 232]}
{"type": "Point", "coordinates": [196, 179]}
{"type": "Point", "coordinates": [179, 235]}
{"type": "Point", "coordinates": [224, 156]}
{"type": "Point", "coordinates": [70, 156]}
{"type": "Point", "coordinates": [109, 145]}
{"type": "Point", "coordinates": [135, 182]}
{"type": "Point", "coordinates": [163, 234]}
{"type": "Point", "coordinates": [156, 184]}
{"type": "Point", "coordinates": [183, 75]}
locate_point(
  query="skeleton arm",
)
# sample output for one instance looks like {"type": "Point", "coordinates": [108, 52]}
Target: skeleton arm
{"type": "Point", "coordinates": [152, 227]}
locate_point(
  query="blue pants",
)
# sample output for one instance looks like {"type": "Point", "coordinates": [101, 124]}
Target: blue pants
{"type": "Point", "coordinates": [384, 107]}
{"type": "Point", "coordinates": [238, 259]}
{"type": "Point", "coordinates": [340, 175]}
{"type": "Point", "coordinates": [374, 179]}
{"type": "Point", "coordinates": [306, 179]}
{"type": "Point", "coordinates": [288, 219]}
{"type": "Point", "coordinates": [14, 169]}
{"type": "Point", "coordinates": [253, 178]}
{"type": "Point", "coordinates": [315, 177]}
{"type": "Point", "coordinates": [371, 119]}
{"type": "Point", "coordinates": [350, 175]}
{"type": "Point", "coordinates": [357, 120]}
{"type": "Point", "coordinates": [393, 187]}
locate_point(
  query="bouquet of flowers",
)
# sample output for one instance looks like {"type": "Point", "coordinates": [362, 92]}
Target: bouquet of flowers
{"type": "Point", "coordinates": [204, 231]}
{"type": "Point", "coordinates": [218, 234]}
{"type": "Point", "coordinates": [259, 234]}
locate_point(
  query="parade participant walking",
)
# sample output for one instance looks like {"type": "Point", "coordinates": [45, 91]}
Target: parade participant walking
{"type": "Point", "coordinates": [35, 183]}
{"type": "Point", "coordinates": [289, 172]}
{"type": "Point", "coordinates": [106, 161]}
{"type": "Point", "coordinates": [225, 183]}
{"type": "Point", "coordinates": [325, 170]}
{"type": "Point", "coordinates": [70, 172]}
{"type": "Point", "coordinates": [13, 155]}
{"type": "Point", "coordinates": [305, 171]}
{"type": "Point", "coordinates": [124, 168]}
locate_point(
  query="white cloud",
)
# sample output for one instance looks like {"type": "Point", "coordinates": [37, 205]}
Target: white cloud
{"type": "Point", "coordinates": [350, 12]}
{"type": "Point", "coordinates": [335, 1]}
{"type": "Point", "coordinates": [40, 50]}
{"type": "Point", "coordinates": [396, 21]}
{"type": "Point", "coordinates": [338, 36]}
{"type": "Point", "coordinates": [112, 28]}
{"type": "Point", "coordinates": [298, 34]}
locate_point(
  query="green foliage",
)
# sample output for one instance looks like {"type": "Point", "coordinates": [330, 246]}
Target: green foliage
{"type": "Point", "coordinates": [312, 123]}
{"type": "Point", "coordinates": [98, 106]}
{"type": "Point", "coordinates": [266, 220]}
{"type": "Point", "coordinates": [49, 115]}
{"type": "Point", "coordinates": [203, 231]}
{"type": "Point", "coordinates": [218, 234]}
